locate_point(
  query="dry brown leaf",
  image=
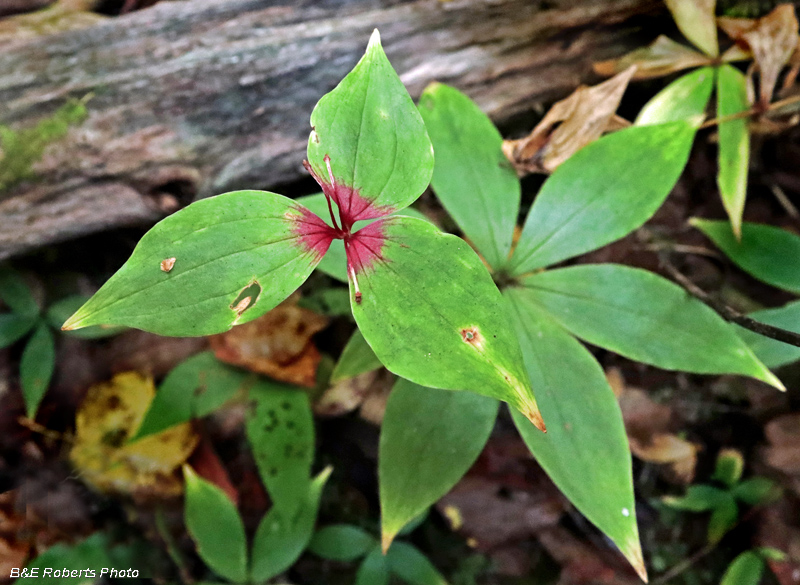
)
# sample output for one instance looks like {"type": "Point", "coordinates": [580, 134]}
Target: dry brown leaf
{"type": "Point", "coordinates": [369, 391]}
{"type": "Point", "coordinates": [583, 117]}
{"type": "Point", "coordinates": [695, 19]}
{"type": "Point", "coordinates": [662, 57]}
{"type": "Point", "coordinates": [648, 425]}
{"type": "Point", "coordinates": [14, 546]}
{"type": "Point", "coordinates": [771, 39]}
{"type": "Point", "coordinates": [111, 412]}
{"type": "Point", "coordinates": [783, 452]}
{"type": "Point", "coordinates": [277, 345]}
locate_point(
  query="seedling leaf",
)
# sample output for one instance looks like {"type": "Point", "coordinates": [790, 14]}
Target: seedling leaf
{"type": "Point", "coordinates": [357, 358]}
{"type": "Point", "coordinates": [431, 313]}
{"type": "Point", "coordinates": [36, 367]}
{"type": "Point", "coordinates": [734, 143]}
{"type": "Point", "coordinates": [585, 451]}
{"type": "Point", "coordinates": [412, 566]}
{"type": "Point", "coordinates": [728, 468]}
{"type": "Point", "coordinates": [746, 569]}
{"type": "Point", "coordinates": [429, 439]}
{"type": "Point", "coordinates": [342, 542]}
{"type": "Point", "coordinates": [16, 293]}
{"type": "Point", "coordinates": [216, 528]}
{"type": "Point", "coordinates": [251, 241]}
{"type": "Point", "coordinates": [374, 570]}
{"type": "Point", "coordinates": [14, 327]}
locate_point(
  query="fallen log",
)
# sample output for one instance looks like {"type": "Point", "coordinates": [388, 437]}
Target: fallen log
{"type": "Point", "coordinates": [190, 99]}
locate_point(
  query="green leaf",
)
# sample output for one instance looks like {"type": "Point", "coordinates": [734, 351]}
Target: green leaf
{"type": "Point", "coordinates": [602, 193]}
{"type": "Point", "coordinates": [193, 389]}
{"type": "Point", "coordinates": [61, 310]}
{"type": "Point", "coordinates": [723, 517]}
{"type": "Point", "coordinates": [432, 314]}
{"type": "Point", "coordinates": [342, 542]}
{"type": "Point", "coordinates": [280, 428]}
{"type": "Point", "coordinates": [90, 554]}
{"type": "Point", "coordinates": [695, 19]}
{"type": "Point", "coordinates": [429, 439]}
{"type": "Point", "coordinates": [771, 554]}
{"type": "Point", "coordinates": [472, 178]}
{"type": "Point", "coordinates": [746, 569]}
{"type": "Point", "coordinates": [36, 368]}
{"type": "Point", "coordinates": [375, 138]}
{"type": "Point", "coordinates": [728, 467]}
{"type": "Point", "coordinates": [13, 327]}
{"type": "Point", "coordinates": [770, 351]}
{"type": "Point", "coordinates": [698, 498]}
{"type": "Point", "coordinates": [585, 451]}
{"type": "Point", "coordinates": [16, 294]}
{"type": "Point", "coordinates": [374, 570]}
{"type": "Point", "coordinates": [226, 249]}
{"type": "Point", "coordinates": [281, 538]}
{"type": "Point", "coordinates": [756, 491]}
{"type": "Point", "coordinates": [333, 301]}
{"type": "Point", "coordinates": [357, 358]}
{"type": "Point", "coordinates": [412, 566]}
{"type": "Point", "coordinates": [767, 253]}
{"type": "Point", "coordinates": [734, 143]}
{"type": "Point", "coordinates": [685, 98]}
{"type": "Point", "coordinates": [644, 317]}
{"type": "Point", "coordinates": [216, 528]}
{"type": "Point", "coordinates": [334, 263]}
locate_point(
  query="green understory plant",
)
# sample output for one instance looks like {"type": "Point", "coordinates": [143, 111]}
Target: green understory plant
{"type": "Point", "coordinates": [25, 316]}
{"type": "Point", "coordinates": [423, 300]}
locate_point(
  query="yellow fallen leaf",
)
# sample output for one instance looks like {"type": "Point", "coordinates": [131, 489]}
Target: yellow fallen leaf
{"type": "Point", "coordinates": [583, 116]}
{"type": "Point", "coordinates": [111, 412]}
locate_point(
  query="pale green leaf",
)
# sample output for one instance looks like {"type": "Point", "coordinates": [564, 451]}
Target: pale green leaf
{"type": "Point", "coordinates": [216, 528]}
{"type": "Point", "coordinates": [723, 517]}
{"type": "Point", "coordinates": [233, 257]}
{"type": "Point", "coordinates": [375, 138]}
{"type": "Point", "coordinates": [685, 98]}
{"type": "Point", "coordinates": [472, 178]}
{"type": "Point", "coordinates": [767, 253]}
{"type": "Point", "coordinates": [734, 143]}
{"type": "Point", "coordinates": [193, 389]}
{"type": "Point", "coordinates": [281, 538]}
{"type": "Point", "coordinates": [36, 368]}
{"type": "Point", "coordinates": [342, 542]}
{"type": "Point", "coordinates": [280, 428]}
{"type": "Point", "coordinates": [432, 314]}
{"type": "Point", "coordinates": [697, 21]}
{"type": "Point", "coordinates": [602, 193]}
{"type": "Point", "coordinates": [698, 498]}
{"type": "Point", "coordinates": [644, 317]}
{"type": "Point", "coordinates": [728, 467]}
{"type": "Point", "coordinates": [429, 439]}
{"type": "Point", "coordinates": [746, 569]}
{"type": "Point", "coordinates": [585, 450]}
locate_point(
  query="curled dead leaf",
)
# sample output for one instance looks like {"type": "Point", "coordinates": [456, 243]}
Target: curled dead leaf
{"type": "Point", "coordinates": [368, 391]}
{"type": "Point", "coordinates": [662, 57]}
{"type": "Point", "coordinates": [771, 39]}
{"type": "Point", "coordinates": [570, 125]}
{"type": "Point", "coordinates": [277, 344]}
{"type": "Point", "coordinates": [111, 413]}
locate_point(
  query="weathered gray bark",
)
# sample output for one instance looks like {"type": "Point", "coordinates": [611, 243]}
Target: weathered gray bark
{"type": "Point", "coordinates": [201, 97]}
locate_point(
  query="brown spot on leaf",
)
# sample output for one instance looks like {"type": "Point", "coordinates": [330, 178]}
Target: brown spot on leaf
{"type": "Point", "coordinates": [472, 336]}
{"type": "Point", "coordinates": [246, 298]}
{"type": "Point", "coordinates": [167, 264]}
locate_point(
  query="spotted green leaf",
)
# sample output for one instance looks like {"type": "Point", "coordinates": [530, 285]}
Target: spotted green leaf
{"type": "Point", "coordinates": [432, 314]}
{"type": "Point", "coordinates": [429, 439]}
{"type": "Point", "coordinates": [472, 178]}
{"type": "Point", "coordinates": [685, 98]}
{"type": "Point", "coordinates": [602, 193]}
{"type": "Point", "coordinates": [219, 262]}
{"type": "Point", "coordinates": [36, 367]}
{"type": "Point", "coordinates": [193, 389]}
{"type": "Point", "coordinates": [216, 528]}
{"type": "Point", "coordinates": [644, 317]}
{"type": "Point", "coordinates": [767, 253]}
{"type": "Point", "coordinates": [585, 450]}
{"type": "Point", "coordinates": [280, 428]}
{"type": "Point", "coordinates": [376, 141]}
{"type": "Point", "coordinates": [281, 538]}
{"type": "Point", "coordinates": [734, 143]}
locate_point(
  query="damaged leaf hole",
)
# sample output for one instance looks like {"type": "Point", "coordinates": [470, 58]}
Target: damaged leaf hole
{"type": "Point", "coordinates": [246, 298]}
{"type": "Point", "coordinates": [472, 336]}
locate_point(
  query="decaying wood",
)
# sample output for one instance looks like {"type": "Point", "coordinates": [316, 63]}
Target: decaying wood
{"type": "Point", "coordinates": [197, 98]}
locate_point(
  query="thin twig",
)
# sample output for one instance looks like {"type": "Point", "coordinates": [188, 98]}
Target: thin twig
{"type": "Point", "coordinates": [784, 201]}
{"type": "Point", "coordinates": [751, 112]}
{"type": "Point", "coordinates": [729, 313]}
{"type": "Point", "coordinates": [684, 565]}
